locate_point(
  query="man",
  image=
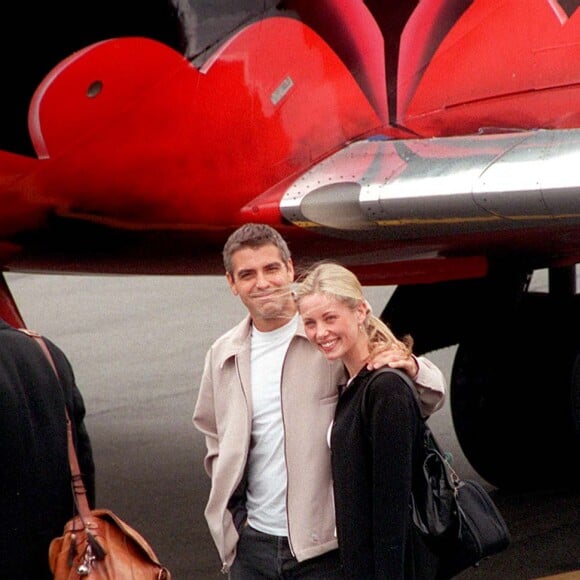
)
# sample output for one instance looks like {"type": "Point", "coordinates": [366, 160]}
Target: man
{"type": "Point", "coordinates": [266, 401]}
{"type": "Point", "coordinates": [35, 481]}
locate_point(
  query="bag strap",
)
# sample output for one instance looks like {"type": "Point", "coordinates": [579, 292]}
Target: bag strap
{"type": "Point", "coordinates": [428, 435]}
{"type": "Point", "coordinates": [78, 487]}
{"type": "Point", "coordinates": [408, 381]}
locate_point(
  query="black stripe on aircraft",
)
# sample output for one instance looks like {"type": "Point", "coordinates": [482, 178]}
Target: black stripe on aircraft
{"type": "Point", "coordinates": [569, 6]}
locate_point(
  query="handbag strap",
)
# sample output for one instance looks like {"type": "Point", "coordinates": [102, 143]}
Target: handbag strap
{"type": "Point", "coordinates": [78, 487]}
{"type": "Point", "coordinates": [428, 436]}
{"type": "Point", "coordinates": [403, 375]}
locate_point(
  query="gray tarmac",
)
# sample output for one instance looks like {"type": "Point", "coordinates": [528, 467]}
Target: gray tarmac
{"type": "Point", "coordinates": [137, 346]}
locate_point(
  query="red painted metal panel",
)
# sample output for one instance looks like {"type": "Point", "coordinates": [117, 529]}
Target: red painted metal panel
{"type": "Point", "coordinates": [164, 144]}
{"type": "Point", "coordinates": [352, 32]}
{"type": "Point", "coordinates": [502, 64]}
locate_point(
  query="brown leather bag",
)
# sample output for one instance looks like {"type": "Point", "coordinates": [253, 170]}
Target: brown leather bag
{"type": "Point", "coordinates": [102, 546]}
{"type": "Point", "coordinates": [97, 544]}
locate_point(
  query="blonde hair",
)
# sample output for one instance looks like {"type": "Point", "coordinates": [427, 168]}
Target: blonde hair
{"type": "Point", "coordinates": [340, 283]}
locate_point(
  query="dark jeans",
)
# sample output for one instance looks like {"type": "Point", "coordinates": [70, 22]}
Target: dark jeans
{"type": "Point", "coordinates": [261, 556]}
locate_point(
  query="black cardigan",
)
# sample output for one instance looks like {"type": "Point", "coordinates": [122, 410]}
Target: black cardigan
{"type": "Point", "coordinates": [35, 488]}
{"type": "Point", "coordinates": [373, 463]}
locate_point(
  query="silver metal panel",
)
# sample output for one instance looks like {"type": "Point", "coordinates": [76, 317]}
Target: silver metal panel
{"type": "Point", "coordinates": [474, 184]}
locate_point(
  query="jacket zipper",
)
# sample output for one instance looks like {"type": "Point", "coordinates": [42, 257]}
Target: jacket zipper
{"type": "Point", "coordinates": [285, 454]}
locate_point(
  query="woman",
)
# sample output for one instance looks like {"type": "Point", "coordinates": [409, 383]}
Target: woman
{"type": "Point", "coordinates": [375, 449]}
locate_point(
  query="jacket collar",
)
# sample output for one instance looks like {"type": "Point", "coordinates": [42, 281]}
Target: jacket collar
{"type": "Point", "coordinates": [239, 339]}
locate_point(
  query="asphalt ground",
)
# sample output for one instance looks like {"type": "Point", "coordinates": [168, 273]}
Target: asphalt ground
{"type": "Point", "coordinates": [137, 346]}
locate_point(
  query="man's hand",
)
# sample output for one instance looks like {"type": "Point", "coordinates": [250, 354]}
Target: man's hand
{"type": "Point", "coordinates": [395, 358]}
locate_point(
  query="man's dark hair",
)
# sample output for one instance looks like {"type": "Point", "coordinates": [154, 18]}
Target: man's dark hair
{"type": "Point", "coordinates": [253, 236]}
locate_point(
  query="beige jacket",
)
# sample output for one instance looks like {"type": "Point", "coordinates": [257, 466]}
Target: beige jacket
{"type": "Point", "coordinates": [223, 413]}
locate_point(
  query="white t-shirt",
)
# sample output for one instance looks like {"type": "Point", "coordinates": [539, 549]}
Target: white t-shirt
{"type": "Point", "coordinates": [266, 495]}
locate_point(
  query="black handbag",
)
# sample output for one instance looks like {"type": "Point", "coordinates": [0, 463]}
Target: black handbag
{"type": "Point", "coordinates": [458, 518]}
{"type": "Point", "coordinates": [478, 531]}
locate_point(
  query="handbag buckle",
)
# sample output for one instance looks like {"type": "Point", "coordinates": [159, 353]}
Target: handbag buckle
{"type": "Point", "coordinates": [84, 568]}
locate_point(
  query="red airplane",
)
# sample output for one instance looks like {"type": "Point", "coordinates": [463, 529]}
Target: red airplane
{"type": "Point", "coordinates": [431, 145]}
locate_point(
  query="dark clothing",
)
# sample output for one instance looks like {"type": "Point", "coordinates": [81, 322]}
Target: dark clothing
{"type": "Point", "coordinates": [35, 488]}
{"type": "Point", "coordinates": [259, 552]}
{"type": "Point", "coordinates": [373, 459]}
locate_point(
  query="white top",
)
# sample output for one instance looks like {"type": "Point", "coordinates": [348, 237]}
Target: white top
{"type": "Point", "coordinates": [266, 495]}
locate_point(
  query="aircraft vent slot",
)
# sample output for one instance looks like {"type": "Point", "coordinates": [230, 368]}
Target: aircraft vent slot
{"type": "Point", "coordinates": [94, 89]}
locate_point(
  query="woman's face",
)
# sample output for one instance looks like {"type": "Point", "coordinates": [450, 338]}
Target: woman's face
{"type": "Point", "coordinates": [334, 328]}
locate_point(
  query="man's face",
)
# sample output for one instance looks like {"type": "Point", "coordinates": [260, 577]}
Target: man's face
{"type": "Point", "coordinates": [262, 281]}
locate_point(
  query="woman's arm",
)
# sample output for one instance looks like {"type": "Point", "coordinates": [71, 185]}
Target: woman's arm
{"type": "Point", "coordinates": [427, 376]}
